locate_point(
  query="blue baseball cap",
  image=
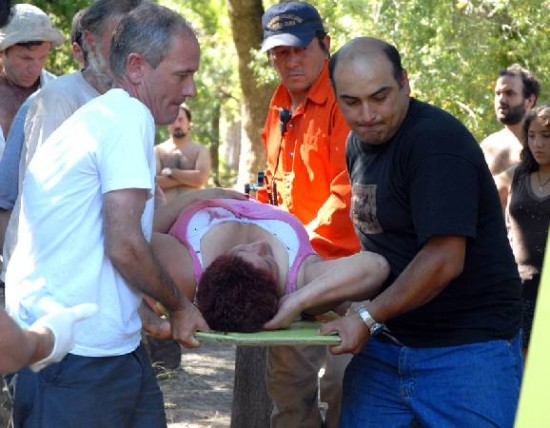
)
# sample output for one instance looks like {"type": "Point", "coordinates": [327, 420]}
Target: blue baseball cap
{"type": "Point", "coordinates": [290, 24]}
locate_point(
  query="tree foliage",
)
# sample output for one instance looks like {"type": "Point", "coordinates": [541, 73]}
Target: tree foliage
{"type": "Point", "coordinates": [452, 50]}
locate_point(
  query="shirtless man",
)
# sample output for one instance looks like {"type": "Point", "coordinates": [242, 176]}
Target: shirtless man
{"type": "Point", "coordinates": [516, 91]}
{"type": "Point", "coordinates": [181, 164]}
{"type": "Point", "coordinates": [25, 43]}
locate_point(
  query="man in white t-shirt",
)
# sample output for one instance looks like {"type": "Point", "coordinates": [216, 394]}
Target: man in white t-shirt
{"type": "Point", "coordinates": [53, 104]}
{"type": "Point", "coordinates": [87, 211]}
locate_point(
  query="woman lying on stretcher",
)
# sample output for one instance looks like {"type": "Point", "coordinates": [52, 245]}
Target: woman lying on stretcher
{"type": "Point", "coordinates": [249, 266]}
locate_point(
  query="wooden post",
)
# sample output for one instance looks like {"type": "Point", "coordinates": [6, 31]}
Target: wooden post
{"type": "Point", "coordinates": [251, 404]}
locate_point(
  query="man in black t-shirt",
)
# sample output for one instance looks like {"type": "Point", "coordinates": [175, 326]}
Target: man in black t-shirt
{"type": "Point", "coordinates": [439, 346]}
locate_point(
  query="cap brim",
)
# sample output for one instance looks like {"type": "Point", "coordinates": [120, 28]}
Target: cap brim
{"type": "Point", "coordinates": [296, 41]}
{"type": "Point", "coordinates": [54, 36]}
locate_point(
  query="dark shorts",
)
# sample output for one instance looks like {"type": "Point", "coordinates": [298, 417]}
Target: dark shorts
{"type": "Point", "coordinates": [87, 392]}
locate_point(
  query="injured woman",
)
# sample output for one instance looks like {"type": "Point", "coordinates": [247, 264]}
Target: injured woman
{"type": "Point", "coordinates": [249, 266]}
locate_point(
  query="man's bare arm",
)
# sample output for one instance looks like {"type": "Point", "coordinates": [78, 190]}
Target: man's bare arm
{"type": "Point", "coordinates": [132, 256]}
{"type": "Point", "coordinates": [440, 260]}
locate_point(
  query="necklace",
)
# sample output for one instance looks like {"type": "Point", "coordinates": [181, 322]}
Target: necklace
{"type": "Point", "coordinates": [541, 184]}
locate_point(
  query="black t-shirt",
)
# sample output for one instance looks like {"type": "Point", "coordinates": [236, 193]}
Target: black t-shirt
{"type": "Point", "coordinates": [431, 180]}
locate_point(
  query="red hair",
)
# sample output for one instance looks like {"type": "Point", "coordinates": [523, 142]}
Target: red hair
{"type": "Point", "coordinates": [233, 295]}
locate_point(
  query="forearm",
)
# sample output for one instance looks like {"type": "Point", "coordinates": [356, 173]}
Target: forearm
{"type": "Point", "coordinates": [19, 347]}
{"type": "Point", "coordinates": [139, 267]}
{"type": "Point", "coordinates": [165, 182]}
{"type": "Point", "coordinates": [353, 278]}
{"type": "Point", "coordinates": [439, 261]}
{"type": "Point", "coordinates": [189, 177]}
{"type": "Point", "coordinates": [129, 251]}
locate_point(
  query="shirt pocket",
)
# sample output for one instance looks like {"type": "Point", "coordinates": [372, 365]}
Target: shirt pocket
{"type": "Point", "coordinates": [364, 209]}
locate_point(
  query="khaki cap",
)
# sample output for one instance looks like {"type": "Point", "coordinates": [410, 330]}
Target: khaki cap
{"type": "Point", "coordinates": [29, 24]}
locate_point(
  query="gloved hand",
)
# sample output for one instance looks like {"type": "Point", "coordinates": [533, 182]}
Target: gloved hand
{"type": "Point", "coordinates": [61, 323]}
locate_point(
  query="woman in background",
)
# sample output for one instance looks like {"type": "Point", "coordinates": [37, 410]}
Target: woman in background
{"type": "Point", "coordinates": [525, 192]}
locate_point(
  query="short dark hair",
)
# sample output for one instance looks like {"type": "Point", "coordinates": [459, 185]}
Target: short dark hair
{"type": "Point", "coordinates": [76, 27]}
{"type": "Point", "coordinates": [320, 36]}
{"type": "Point", "coordinates": [187, 112]}
{"type": "Point", "coordinates": [233, 295]}
{"type": "Point", "coordinates": [531, 85]}
{"type": "Point", "coordinates": [31, 44]}
{"type": "Point", "coordinates": [528, 162]}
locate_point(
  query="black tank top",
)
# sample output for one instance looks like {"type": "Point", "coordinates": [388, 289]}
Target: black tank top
{"type": "Point", "coordinates": [528, 217]}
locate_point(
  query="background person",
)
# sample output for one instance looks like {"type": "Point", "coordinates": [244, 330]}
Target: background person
{"type": "Point", "coordinates": [424, 198]}
{"type": "Point", "coordinates": [181, 164]}
{"type": "Point", "coordinates": [93, 201]}
{"type": "Point", "coordinates": [525, 193]}
{"type": "Point", "coordinates": [304, 138]}
{"type": "Point", "coordinates": [516, 91]}
{"type": "Point", "coordinates": [25, 43]}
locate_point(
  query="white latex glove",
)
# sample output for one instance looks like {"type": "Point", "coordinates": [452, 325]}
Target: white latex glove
{"type": "Point", "coordinates": [61, 323]}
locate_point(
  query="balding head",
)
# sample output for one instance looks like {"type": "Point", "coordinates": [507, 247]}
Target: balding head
{"type": "Point", "coordinates": [371, 87]}
{"type": "Point", "coordinates": [366, 49]}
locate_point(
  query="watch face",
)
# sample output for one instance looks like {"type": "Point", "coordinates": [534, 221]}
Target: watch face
{"type": "Point", "coordinates": [376, 329]}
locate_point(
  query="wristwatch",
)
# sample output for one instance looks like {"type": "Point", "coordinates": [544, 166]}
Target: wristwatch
{"type": "Point", "coordinates": [374, 326]}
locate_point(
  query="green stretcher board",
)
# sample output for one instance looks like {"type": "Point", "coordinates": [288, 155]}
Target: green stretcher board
{"type": "Point", "coordinates": [298, 333]}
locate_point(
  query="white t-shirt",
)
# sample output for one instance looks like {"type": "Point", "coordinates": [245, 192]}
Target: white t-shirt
{"type": "Point", "coordinates": [52, 105]}
{"type": "Point", "coordinates": [60, 257]}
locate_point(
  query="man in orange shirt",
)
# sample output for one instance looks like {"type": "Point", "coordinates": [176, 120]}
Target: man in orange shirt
{"type": "Point", "coordinates": [304, 137]}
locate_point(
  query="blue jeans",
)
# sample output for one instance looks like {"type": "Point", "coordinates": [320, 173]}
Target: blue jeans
{"type": "Point", "coordinates": [86, 392]}
{"type": "Point", "coordinates": [474, 385]}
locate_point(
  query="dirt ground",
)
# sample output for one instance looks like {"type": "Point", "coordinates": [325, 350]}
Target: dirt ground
{"type": "Point", "coordinates": [199, 393]}
{"type": "Point", "coordinates": [196, 395]}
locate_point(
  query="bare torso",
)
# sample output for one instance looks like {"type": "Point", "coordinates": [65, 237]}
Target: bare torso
{"type": "Point", "coordinates": [182, 157]}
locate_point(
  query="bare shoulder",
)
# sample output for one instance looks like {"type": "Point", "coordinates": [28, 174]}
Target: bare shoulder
{"type": "Point", "coordinates": [200, 148]}
{"type": "Point", "coordinates": [504, 179]}
{"type": "Point", "coordinates": [196, 148]}
{"type": "Point", "coordinates": [164, 147]}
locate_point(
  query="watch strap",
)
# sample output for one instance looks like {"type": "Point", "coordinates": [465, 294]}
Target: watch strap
{"type": "Point", "coordinates": [374, 326]}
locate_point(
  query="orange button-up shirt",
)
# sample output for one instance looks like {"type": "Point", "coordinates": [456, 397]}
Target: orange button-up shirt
{"type": "Point", "coordinates": [311, 178]}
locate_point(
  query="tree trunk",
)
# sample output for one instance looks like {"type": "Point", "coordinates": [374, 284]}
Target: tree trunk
{"type": "Point", "coordinates": [251, 405]}
{"type": "Point", "coordinates": [215, 144]}
{"type": "Point", "coordinates": [245, 17]}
